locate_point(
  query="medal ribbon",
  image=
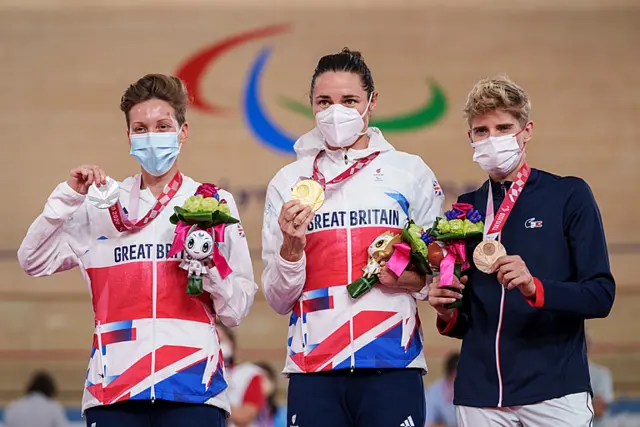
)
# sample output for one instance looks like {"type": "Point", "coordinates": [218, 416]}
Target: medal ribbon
{"type": "Point", "coordinates": [123, 223]}
{"type": "Point", "coordinates": [493, 226]}
{"type": "Point", "coordinates": [358, 165]}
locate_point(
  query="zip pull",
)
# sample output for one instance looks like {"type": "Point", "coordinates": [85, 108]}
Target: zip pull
{"type": "Point", "coordinates": [503, 188]}
{"type": "Point", "coordinates": [346, 160]}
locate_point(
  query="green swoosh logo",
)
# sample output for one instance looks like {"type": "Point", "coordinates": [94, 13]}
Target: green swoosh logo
{"type": "Point", "coordinates": [424, 116]}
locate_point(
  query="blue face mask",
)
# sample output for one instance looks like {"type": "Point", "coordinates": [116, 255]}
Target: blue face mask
{"type": "Point", "coordinates": [155, 151]}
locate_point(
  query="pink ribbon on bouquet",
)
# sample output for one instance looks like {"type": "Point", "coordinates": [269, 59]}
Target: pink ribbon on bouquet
{"type": "Point", "coordinates": [454, 249]}
{"type": "Point", "coordinates": [400, 258]}
{"type": "Point", "coordinates": [182, 229]}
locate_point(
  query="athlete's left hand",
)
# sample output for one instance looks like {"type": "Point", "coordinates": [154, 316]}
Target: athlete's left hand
{"type": "Point", "coordinates": [408, 280]}
{"type": "Point", "coordinates": [513, 273]}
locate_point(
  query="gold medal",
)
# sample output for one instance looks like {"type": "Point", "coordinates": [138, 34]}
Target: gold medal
{"type": "Point", "coordinates": [487, 253]}
{"type": "Point", "coordinates": [309, 193]}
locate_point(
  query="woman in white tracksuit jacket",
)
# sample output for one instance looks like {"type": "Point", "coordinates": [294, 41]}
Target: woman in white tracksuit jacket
{"type": "Point", "coordinates": [155, 358]}
{"type": "Point", "coordinates": [350, 362]}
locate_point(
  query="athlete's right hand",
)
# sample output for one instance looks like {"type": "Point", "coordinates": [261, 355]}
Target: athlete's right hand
{"type": "Point", "coordinates": [293, 220]}
{"type": "Point", "coordinates": [81, 178]}
{"type": "Point", "coordinates": [439, 296]}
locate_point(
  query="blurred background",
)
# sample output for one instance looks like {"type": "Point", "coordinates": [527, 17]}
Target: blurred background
{"type": "Point", "coordinates": [65, 64]}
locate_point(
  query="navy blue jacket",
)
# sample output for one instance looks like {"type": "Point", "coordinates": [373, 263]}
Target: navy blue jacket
{"type": "Point", "coordinates": [541, 354]}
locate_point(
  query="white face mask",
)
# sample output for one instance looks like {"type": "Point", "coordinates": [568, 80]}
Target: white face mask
{"type": "Point", "coordinates": [341, 126]}
{"type": "Point", "coordinates": [497, 155]}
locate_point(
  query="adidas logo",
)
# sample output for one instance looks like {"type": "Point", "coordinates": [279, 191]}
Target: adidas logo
{"type": "Point", "coordinates": [408, 422]}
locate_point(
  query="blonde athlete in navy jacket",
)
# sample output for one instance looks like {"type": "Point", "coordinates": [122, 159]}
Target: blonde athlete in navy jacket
{"type": "Point", "coordinates": [523, 359]}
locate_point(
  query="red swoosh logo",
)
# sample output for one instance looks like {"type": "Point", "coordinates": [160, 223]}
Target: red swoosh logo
{"type": "Point", "coordinates": [193, 69]}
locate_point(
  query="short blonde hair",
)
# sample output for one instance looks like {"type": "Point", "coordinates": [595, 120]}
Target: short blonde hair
{"type": "Point", "coordinates": [498, 93]}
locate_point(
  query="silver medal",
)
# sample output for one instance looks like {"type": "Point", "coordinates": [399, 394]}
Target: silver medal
{"type": "Point", "coordinates": [105, 196]}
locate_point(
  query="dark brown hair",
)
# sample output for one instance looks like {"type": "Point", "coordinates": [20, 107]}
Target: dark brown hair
{"type": "Point", "coordinates": [350, 61]}
{"type": "Point", "coordinates": [157, 86]}
{"type": "Point", "coordinates": [42, 382]}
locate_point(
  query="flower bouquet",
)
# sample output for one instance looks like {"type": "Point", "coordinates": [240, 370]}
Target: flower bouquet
{"type": "Point", "coordinates": [200, 224]}
{"type": "Point", "coordinates": [205, 209]}
{"type": "Point", "coordinates": [447, 253]}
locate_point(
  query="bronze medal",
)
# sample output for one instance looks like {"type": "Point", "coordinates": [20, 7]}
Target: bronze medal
{"type": "Point", "coordinates": [487, 253]}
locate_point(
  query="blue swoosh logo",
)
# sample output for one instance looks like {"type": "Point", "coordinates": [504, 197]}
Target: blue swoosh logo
{"type": "Point", "coordinates": [257, 118]}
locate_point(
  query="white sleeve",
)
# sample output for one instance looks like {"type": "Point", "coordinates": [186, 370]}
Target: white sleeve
{"type": "Point", "coordinates": [282, 281]}
{"type": "Point", "coordinates": [233, 296]}
{"type": "Point", "coordinates": [58, 237]}
{"type": "Point", "coordinates": [59, 416]}
{"type": "Point", "coordinates": [10, 419]}
{"type": "Point", "coordinates": [607, 386]}
{"type": "Point", "coordinates": [426, 206]}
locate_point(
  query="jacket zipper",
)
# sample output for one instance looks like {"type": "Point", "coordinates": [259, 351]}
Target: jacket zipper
{"type": "Point", "coordinates": [103, 365]}
{"type": "Point", "coordinates": [349, 276]}
{"type": "Point", "coordinates": [153, 321]}
{"type": "Point", "coordinates": [503, 191]}
{"type": "Point", "coordinates": [498, 348]}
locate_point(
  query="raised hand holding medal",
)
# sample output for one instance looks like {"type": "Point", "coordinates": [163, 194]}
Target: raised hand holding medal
{"type": "Point", "coordinates": [84, 176]}
{"type": "Point", "coordinates": [307, 197]}
{"type": "Point", "coordinates": [101, 190]}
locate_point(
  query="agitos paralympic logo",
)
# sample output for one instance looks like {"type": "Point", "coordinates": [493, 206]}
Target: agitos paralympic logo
{"type": "Point", "coordinates": [263, 127]}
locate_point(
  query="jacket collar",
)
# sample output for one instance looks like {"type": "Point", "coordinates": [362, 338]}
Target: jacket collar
{"type": "Point", "coordinates": [312, 143]}
{"type": "Point", "coordinates": [497, 186]}
{"type": "Point", "coordinates": [147, 196]}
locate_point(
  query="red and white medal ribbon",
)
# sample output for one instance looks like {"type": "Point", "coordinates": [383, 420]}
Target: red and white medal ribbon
{"type": "Point", "coordinates": [123, 222]}
{"type": "Point", "coordinates": [357, 166]}
{"type": "Point", "coordinates": [494, 223]}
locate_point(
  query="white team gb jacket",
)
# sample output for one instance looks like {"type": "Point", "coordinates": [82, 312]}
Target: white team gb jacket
{"type": "Point", "coordinates": [151, 340]}
{"type": "Point", "coordinates": [329, 330]}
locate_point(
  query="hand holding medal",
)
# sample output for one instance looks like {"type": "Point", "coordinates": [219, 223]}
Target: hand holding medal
{"type": "Point", "coordinates": [307, 197]}
{"type": "Point", "coordinates": [83, 177]}
{"type": "Point", "coordinates": [512, 272]}
{"type": "Point", "coordinates": [490, 256]}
